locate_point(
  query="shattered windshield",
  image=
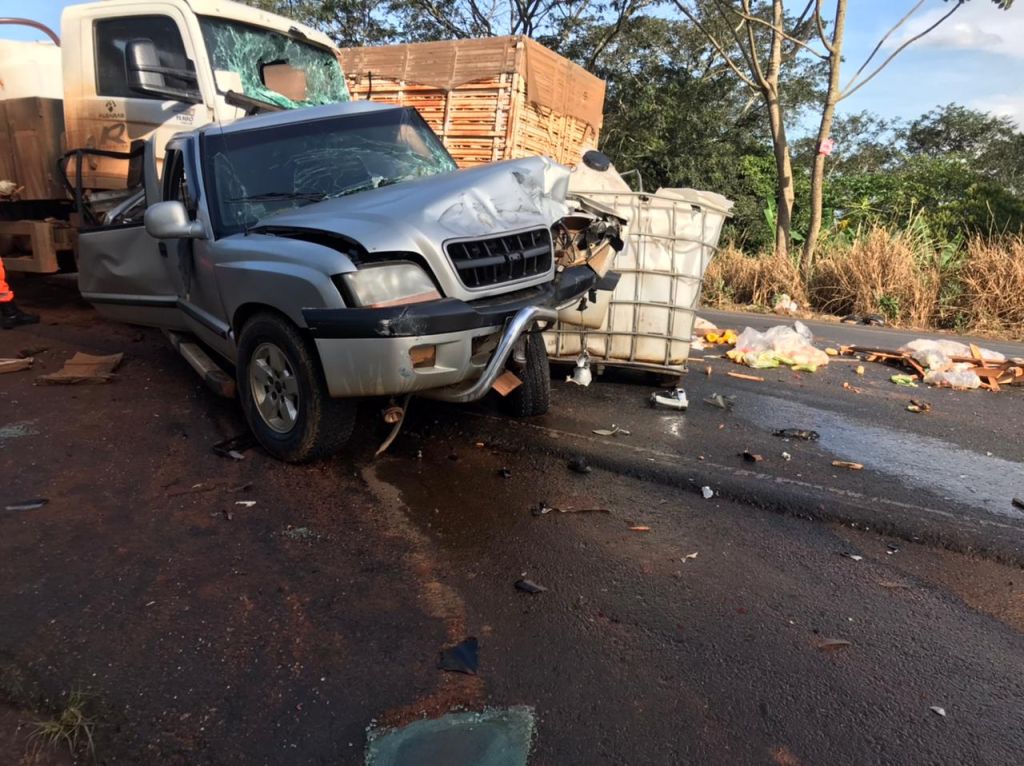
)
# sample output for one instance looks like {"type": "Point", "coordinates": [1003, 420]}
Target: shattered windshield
{"type": "Point", "coordinates": [247, 51]}
{"type": "Point", "coordinates": [251, 174]}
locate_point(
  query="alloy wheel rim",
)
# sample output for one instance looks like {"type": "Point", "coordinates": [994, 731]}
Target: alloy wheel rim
{"type": "Point", "coordinates": [274, 387]}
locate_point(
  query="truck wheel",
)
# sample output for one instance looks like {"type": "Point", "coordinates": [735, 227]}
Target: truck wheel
{"type": "Point", "coordinates": [533, 397]}
{"type": "Point", "coordinates": [284, 395]}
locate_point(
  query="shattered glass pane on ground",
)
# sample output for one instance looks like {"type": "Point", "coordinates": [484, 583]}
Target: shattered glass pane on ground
{"type": "Point", "coordinates": [490, 738]}
{"type": "Point", "coordinates": [243, 49]}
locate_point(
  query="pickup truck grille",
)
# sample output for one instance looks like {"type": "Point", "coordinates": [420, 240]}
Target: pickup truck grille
{"type": "Point", "coordinates": [493, 261]}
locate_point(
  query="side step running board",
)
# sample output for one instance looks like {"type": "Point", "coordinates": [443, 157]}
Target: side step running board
{"type": "Point", "coordinates": [213, 376]}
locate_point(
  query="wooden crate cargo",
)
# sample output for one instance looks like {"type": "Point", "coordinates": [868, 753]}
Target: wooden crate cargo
{"type": "Point", "coordinates": [488, 99]}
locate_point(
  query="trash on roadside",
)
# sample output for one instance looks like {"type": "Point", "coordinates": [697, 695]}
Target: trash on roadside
{"type": "Point", "coordinates": [848, 464]}
{"type": "Point", "coordinates": [707, 492]}
{"type": "Point", "coordinates": [542, 508]}
{"type": "Point", "coordinates": [859, 369]}
{"type": "Point", "coordinates": [786, 456]}
{"type": "Point", "coordinates": [852, 556]}
{"type": "Point", "coordinates": [791, 346]}
{"type": "Point", "coordinates": [673, 399]}
{"type": "Point", "coordinates": [689, 557]}
{"type": "Point", "coordinates": [831, 644]}
{"type": "Point", "coordinates": [27, 505]}
{"type": "Point", "coordinates": [797, 433]}
{"type": "Point", "coordinates": [581, 374]}
{"type": "Point", "coordinates": [849, 387]}
{"type": "Point", "coordinates": [785, 306]}
{"type": "Point", "coordinates": [85, 368]}
{"type": "Point", "coordinates": [245, 503]}
{"type": "Point", "coordinates": [15, 365]}
{"type": "Point", "coordinates": [722, 402]}
{"type": "Point", "coordinates": [832, 351]}
{"type": "Point", "coordinates": [578, 464]}
{"type": "Point", "coordinates": [901, 379]}
{"type": "Point", "coordinates": [917, 406]}
{"type": "Point", "coordinates": [751, 457]}
{"type": "Point", "coordinates": [949, 363]}
{"type": "Point", "coordinates": [891, 548]}
{"type": "Point", "coordinates": [461, 658]}
{"type": "Point", "coordinates": [721, 338]}
{"type": "Point", "coordinates": [639, 528]}
{"type": "Point", "coordinates": [938, 710]}
{"type": "Point", "coordinates": [528, 586]}
{"type": "Point", "coordinates": [505, 473]}
{"type": "Point", "coordinates": [742, 376]}
{"type": "Point", "coordinates": [613, 431]}
{"type": "Point", "coordinates": [235, 446]}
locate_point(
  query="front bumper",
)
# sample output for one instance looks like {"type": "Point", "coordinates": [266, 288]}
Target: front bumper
{"type": "Point", "coordinates": [366, 352]}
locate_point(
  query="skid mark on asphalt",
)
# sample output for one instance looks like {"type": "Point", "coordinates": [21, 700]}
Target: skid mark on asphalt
{"type": "Point", "coordinates": [437, 599]}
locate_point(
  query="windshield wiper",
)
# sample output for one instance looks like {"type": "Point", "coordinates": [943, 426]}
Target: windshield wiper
{"type": "Point", "coordinates": [280, 195]}
{"type": "Point", "coordinates": [373, 183]}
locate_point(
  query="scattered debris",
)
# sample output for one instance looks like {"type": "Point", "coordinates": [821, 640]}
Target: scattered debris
{"type": "Point", "coordinates": [751, 457]}
{"type": "Point", "coordinates": [542, 508]}
{"type": "Point", "coordinates": [578, 464]}
{"type": "Point", "coordinates": [797, 433]}
{"type": "Point", "coordinates": [848, 464]}
{"type": "Point", "coordinates": [505, 473]}
{"type": "Point", "coordinates": [639, 528]}
{"type": "Point", "coordinates": [721, 338]}
{"type": "Point", "coordinates": [786, 456]}
{"type": "Point", "coordinates": [707, 492]}
{"type": "Point", "coordinates": [743, 376]}
{"type": "Point", "coordinates": [688, 557]}
{"type": "Point", "coordinates": [832, 351]}
{"type": "Point", "coordinates": [849, 387]}
{"type": "Point", "coordinates": [917, 406]}
{"type": "Point", "coordinates": [613, 431]}
{"type": "Point", "coordinates": [581, 375]}
{"type": "Point", "coordinates": [17, 430]}
{"type": "Point", "coordinates": [506, 383]}
{"type": "Point", "coordinates": [245, 503]}
{"type": "Point", "coordinates": [901, 379]}
{"type": "Point", "coordinates": [938, 710]}
{"type": "Point", "coordinates": [950, 364]}
{"type": "Point", "coordinates": [300, 533]}
{"type": "Point", "coordinates": [395, 416]}
{"type": "Point", "coordinates": [852, 556]}
{"type": "Point", "coordinates": [235, 446]}
{"type": "Point", "coordinates": [722, 402]}
{"type": "Point", "coordinates": [85, 368]}
{"type": "Point", "coordinates": [15, 365]}
{"type": "Point", "coordinates": [1017, 502]}
{"type": "Point", "coordinates": [27, 505]}
{"type": "Point", "coordinates": [832, 644]}
{"type": "Point", "coordinates": [528, 586]}
{"type": "Point", "coordinates": [785, 306]}
{"type": "Point", "coordinates": [673, 399]}
{"type": "Point", "coordinates": [891, 548]}
{"type": "Point", "coordinates": [582, 510]}
{"type": "Point", "coordinates": [791, 346]}
{"type": "Point", "coordinates": [859, 369]}
{"type": "Point", "coordinates": [461, 658]}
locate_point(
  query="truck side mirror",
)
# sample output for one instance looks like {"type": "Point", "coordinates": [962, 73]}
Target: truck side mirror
{"type": "Point", "coordinates": [169, 220]}
{"type": "Point", "coordinates": [146, 75]}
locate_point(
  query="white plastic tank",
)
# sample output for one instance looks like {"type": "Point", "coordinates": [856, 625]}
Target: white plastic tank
{"type": "Point", "coordinates": [671, 236]}
{"type": "Point", "coordinates": [30, 70]}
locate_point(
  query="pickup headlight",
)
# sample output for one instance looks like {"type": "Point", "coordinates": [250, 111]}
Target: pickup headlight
{"type": "Point", "coordinates": [389, 284]}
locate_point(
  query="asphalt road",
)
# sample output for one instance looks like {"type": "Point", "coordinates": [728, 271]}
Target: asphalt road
{"type": "Point", "coordinates": [208, 632]}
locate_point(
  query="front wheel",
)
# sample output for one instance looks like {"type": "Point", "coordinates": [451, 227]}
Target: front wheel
{"type": "Point", "coordinates": [284, 395]}
{"type": "Point", "coordinates": [529, 361]}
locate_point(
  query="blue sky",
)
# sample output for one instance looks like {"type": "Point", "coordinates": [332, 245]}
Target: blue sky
{"type": "Point", "coordinates": [976, 58]}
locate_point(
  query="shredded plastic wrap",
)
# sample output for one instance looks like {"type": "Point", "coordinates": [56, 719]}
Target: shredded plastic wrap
{"type": "Point", "coordinates": [959, 376]}
{"type": "Point", "coordinates": [936, 354]}
{"type": "Point", "coordinates": [791, 346]}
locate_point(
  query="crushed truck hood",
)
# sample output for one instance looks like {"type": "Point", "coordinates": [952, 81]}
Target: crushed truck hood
{"type": "Point", "coordinates": [420, 215]}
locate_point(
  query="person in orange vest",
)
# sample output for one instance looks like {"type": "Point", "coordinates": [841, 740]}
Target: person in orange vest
{"type": "Point", "coordinates": [10, 315]}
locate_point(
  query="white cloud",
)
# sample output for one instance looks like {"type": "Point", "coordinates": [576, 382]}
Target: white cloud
{"type": "Point", "coordinates": [978, 25]}
{"type": "Point", "coordinates": [1004, 105]}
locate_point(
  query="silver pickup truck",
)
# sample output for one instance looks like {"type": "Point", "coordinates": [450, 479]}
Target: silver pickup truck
{"type": "Point", "coordinates": [335, 252]}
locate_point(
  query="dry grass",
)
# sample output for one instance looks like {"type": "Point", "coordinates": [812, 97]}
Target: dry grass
{"type": "Point", "coordinates": [72, 728]}
{"type": "Point", "coordinates": [892, 273]}
{"type": "Point", "coordinates": [733, 277]}
{"type": "Point", "coordinates": [992, 280]}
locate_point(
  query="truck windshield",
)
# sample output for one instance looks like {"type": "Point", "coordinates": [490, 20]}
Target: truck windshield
{"type": "Point", "coordinates": [253, 173]}
{"type": "Point", "coordinates": [247, 51]}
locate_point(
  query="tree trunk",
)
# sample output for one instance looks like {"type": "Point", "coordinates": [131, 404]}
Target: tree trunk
{"type": "Point", "coordinates": [784, 194]}
{"type": "Point", "coordinates": [835, 48]}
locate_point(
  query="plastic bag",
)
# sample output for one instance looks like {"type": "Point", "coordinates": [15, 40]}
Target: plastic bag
{"type": "Point", "coordinates": [960, 376]}
{"type": "Point", "coordinates": [925, 350]}
{"type": "Point", "coordinates": [782, 344]}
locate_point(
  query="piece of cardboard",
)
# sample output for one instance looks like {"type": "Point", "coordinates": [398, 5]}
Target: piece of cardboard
{"type": "Point", "coordinates": [85, 368]}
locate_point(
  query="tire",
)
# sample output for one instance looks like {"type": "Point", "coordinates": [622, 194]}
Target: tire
{"type": "Point", "coordinates": [284, 394]}
{"type": "Point", "coordinates": [533, 397]}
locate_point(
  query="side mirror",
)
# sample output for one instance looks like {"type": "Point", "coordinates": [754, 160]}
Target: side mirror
{"type": "Point", "coordinates": [146, 75]}
{"type": "Point", "coordinates": [169, 220]}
